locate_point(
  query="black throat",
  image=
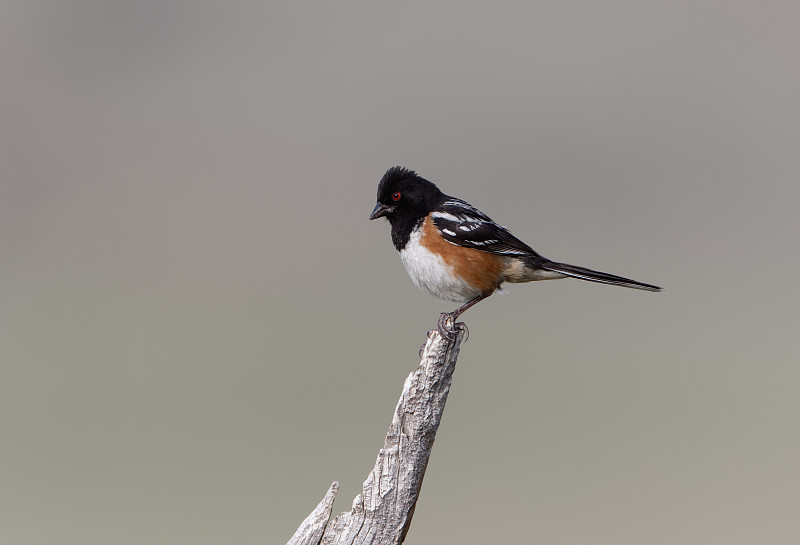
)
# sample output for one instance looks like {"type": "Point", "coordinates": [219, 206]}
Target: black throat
{"type": "Point", "coordinates": [402, 227]}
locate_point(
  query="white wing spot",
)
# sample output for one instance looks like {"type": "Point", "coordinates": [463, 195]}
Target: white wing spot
{"type": "Point", "coordinates": [471, 226]}
{"type": "Point", "coordinates": [446, 216]}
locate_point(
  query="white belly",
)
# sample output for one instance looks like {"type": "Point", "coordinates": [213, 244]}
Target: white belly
{"type": "Point", "coordinates": [432, 275]}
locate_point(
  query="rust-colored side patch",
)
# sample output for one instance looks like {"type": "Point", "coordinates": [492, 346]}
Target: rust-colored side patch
{"type": "Point", "coordinates": [480, 269]}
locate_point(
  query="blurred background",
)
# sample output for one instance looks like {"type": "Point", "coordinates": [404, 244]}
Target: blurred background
{"type": "Point", "coordinates": [200, 329]}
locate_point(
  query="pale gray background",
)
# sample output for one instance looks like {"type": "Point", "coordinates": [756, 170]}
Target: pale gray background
{"type": "Point", "coordinates": [200, 329]}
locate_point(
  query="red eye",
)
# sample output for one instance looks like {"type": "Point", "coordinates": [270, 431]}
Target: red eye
{"type": "Point", "coordinates": [396, 196]}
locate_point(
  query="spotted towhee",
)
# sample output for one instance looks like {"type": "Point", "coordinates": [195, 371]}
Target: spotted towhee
{"type": "Point", "coordinates": [455, 252]}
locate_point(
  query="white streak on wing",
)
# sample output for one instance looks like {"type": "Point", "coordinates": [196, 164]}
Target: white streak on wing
{"type": "Point", "coordinates": [467, 209]}
{"type": "Point", "coordinates": [448, 232]}
{"type": "Point", "coordinates": [471, 226]}
{"type": "Point", "coordinates": [446, 216]}
{"type": "Point", "coordinates": [460, 204]}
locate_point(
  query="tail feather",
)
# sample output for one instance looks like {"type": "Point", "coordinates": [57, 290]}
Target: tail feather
{"type": "Point", "coordinates": [595, 276]}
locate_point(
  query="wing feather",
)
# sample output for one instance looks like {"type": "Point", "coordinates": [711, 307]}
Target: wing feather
{"type": "Point", "coordinates": [462, 224]}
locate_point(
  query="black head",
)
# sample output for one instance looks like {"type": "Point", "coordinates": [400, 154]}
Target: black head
{"type": "Point", "coordinates": [402, 192]}
{"type": "Point", "coordinates": [405, 198]}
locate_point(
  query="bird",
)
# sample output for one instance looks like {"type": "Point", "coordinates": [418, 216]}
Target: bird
{"type": "Point", "coordinates": [456, 253]}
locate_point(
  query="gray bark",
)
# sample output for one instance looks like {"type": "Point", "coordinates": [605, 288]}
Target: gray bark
{"type": "Point", "coordinates": [381, 514]}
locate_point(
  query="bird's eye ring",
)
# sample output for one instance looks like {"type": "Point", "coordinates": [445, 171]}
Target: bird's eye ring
{"type": "Point", "coordinates": [396, 196]}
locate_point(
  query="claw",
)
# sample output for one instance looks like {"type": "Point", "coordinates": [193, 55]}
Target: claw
{"type": "Point", "coordinates": [447, 330]}
{"type": "Point", "coordinates": [463, 327]}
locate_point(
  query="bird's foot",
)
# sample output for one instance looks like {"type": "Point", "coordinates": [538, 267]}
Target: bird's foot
{"type": "Point", "coordinates": [449, 328]}
{"type": "Point", "coordinates": [446, 325]}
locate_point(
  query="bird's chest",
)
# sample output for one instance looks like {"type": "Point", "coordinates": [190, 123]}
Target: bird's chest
{"type": "Point", "coordinates": [432, 274]}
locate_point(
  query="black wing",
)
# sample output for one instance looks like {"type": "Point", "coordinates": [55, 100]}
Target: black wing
{"type": "Point", "coordinates": [464, 225]}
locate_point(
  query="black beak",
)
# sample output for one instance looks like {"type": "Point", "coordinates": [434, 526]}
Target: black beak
{"type": "Point", "coordinates": [380, 211]}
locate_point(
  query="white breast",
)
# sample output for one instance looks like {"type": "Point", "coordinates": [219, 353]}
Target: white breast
{"type": "Point", "coordinates": [431, 274]}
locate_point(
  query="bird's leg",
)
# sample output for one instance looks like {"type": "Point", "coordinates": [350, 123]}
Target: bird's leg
{"type": "Point", "coordinates": [446, 329]}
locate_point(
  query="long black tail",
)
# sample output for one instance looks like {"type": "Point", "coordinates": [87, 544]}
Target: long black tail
{"type": "Point", "coordinates": [595, 276]}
